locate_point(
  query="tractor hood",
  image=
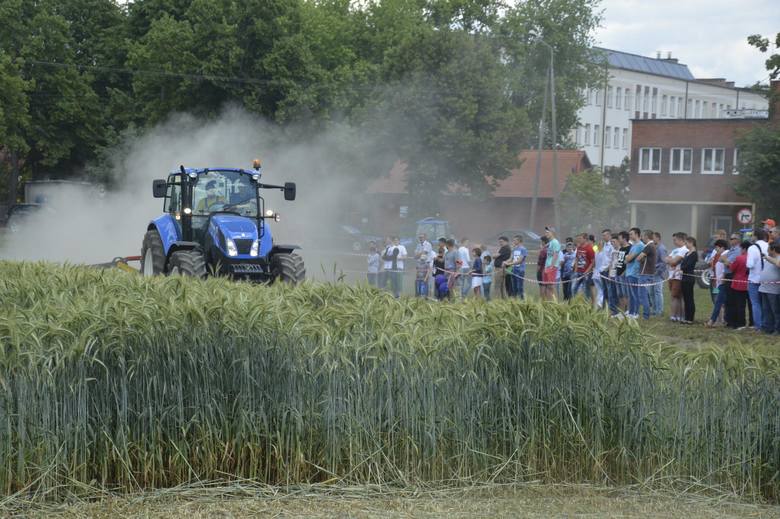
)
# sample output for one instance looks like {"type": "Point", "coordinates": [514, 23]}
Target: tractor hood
{"type": "Point", "coordinates": [236, 227]}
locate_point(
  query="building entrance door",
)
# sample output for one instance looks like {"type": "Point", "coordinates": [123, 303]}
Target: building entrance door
{"type": "Point", "coordinates": [721, 222]}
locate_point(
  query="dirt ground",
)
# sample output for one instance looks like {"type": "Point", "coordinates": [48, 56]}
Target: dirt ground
{"type": "Point", "coordinates": [534, 501]}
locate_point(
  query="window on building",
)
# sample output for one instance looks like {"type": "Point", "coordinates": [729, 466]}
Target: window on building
{"type": "Point", "coordinates": [654, 107]}
{"type": "Point", "coordinates": [597, 135]}
{"type": "Point", "coordinates": [720, 110]}
{"type": "Point", "coordinates": [646, 99]}
{"type": "Point", "coordinates": [598, 97]}
{"type": "Point", "coordinates": [607, 135]}
{"type": "Point", "coordinates": [672, 106]}
{"type": "Point", "coordinates": [616, 138]}
{"type": "Point", "coordinates": [681, 160]}
{"type": "Point", "coordinates": [680, 107]}
{"type": "Point", "coordinates": [712, 161]}
{"type": "Point", "coordinates": [609, 96]}
{"type": "Point", "coordinates": [627, 103]}
{"type": "Point", "coordinates": [625, 138]}
{"type": "Point", "coordinates": [664, 101]}
{"type": "Point", "coordinates": [619, 98]}
{"type": "Point", "coordinates": [649, 160]}
{"type": "Point", "coordinates": [735, 165]}
{"type": "Point", "coordinates": [586, 140]}
{"type": "Point", "coordinates": [578, 135]}
{"type": "Point", "coordinates": [638, 98]}
{"type": "Point", "coordinates": [705, 109]}
{"type": "Point", "coordinates": [689, 112]}
{"type": "Point", "coordinates": [697, 109]}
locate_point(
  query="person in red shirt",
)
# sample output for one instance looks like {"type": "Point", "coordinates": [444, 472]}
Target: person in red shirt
{"type": "Point", "coordinates": [584, 261]}
{"type": "Point", "coordinates": [739, 285]}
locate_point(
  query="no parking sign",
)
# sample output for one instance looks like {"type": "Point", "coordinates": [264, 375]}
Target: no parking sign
{"type": "Point", "coordinates": [745, 216]}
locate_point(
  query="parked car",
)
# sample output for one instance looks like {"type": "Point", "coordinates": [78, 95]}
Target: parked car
{"type": "Point", "coordinates": [531, 240]}
{"type": "Point", "coordinates": [359, 241]}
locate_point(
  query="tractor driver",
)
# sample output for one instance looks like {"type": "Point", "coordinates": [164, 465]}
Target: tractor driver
{"type": "Point", "coordinates": [243, 192]}
{"type": "Point", "coordinates": [212, 199]}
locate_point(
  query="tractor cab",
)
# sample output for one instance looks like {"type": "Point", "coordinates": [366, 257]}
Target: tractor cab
{"type": "Point", "coordinates": [434, 228]}
{"type": "Point", "coordinates": [216, 216]}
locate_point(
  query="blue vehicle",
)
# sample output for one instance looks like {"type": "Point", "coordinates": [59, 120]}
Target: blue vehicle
{"type": "Point", "coordinates": [215, 223]}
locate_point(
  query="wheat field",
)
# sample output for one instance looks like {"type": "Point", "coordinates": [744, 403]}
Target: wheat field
{"type": "Point", "coordinates": [120, 382]}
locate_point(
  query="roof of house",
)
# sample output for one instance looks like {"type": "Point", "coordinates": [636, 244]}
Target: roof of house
{"type": "Point", "coordinates": [519, 184]}
{"type": "Point", "coordinates": [659, 67]}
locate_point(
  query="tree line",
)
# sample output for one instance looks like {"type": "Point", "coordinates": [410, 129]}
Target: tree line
{"type": "Point", "coordinates": [466, 75]}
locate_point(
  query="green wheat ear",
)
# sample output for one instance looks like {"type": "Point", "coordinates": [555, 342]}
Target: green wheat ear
{"type": "Point", "coordinates": [119, 381]}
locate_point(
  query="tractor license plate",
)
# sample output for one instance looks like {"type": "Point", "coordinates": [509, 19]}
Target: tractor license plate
{"type": "Point", "coordinates": [248, 268]}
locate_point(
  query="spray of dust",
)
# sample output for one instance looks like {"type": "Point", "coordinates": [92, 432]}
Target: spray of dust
{"type": "Point", "coordinates": [81, 225]}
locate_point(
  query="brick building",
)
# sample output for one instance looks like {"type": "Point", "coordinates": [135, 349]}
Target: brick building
{"type": "Point", "coordinates": [683, 173]}
{"type": "Point", "coordinates": [508, 207]}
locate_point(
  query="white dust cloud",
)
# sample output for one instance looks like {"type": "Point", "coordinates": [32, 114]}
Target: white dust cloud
{"type": "Point", "coordinates": [80, 225]}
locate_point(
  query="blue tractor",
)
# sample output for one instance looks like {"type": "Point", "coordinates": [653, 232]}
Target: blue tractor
{"type": "Point", "coordinates": [215, 223]}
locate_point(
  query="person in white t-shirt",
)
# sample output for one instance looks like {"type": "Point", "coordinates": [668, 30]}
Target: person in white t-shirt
{"type": "Point", "coordinates": [464, 257]}
{"type": "Point", "coordinates": [756, 262]}
{"type": "Point", "coordinates": [393, 256]}
{"type": "Point", "coordinates": [424, 247]}
{"type": "Point", "coordinates": [675, 276]}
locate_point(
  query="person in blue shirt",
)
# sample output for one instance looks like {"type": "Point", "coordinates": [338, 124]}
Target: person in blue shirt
{"type": "Point", "coordinates": [567, 268]}
{"type": "Point", "coordinates": [519, 255]}
{"type": "Point", "coordinates": [632, 271]}
{"type": "Point", "coordinates": [661, 271]}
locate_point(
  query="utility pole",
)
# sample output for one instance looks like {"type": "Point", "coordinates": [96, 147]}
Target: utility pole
{"type": "Point", "coordinates": [532, 219]}
{"type": "Point", "coordinates": [554, 141]}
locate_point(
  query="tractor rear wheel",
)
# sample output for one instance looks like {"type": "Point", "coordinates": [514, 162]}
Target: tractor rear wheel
{"type": "Point", "coordinates": [152, 254]}
{"type": "Point", "coordinates": [288, 268]}
{"type": "Point", "coordinates": [187, 263]}
{"type": "Point", "coordinates": [703, 274]}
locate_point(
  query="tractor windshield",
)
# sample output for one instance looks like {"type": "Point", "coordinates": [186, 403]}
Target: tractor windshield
{"type": "Point", "coordinates": [224, 191]}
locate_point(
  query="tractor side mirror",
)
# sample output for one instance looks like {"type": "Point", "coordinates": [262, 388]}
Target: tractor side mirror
{"type": "Point", "coordinates": [159, 188]}
{"type": "Point", "coordinates": [289, 190]}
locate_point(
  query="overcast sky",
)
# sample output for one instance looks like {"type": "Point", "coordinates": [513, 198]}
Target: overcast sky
{"type": "Point", "coordinates": [710, 36]}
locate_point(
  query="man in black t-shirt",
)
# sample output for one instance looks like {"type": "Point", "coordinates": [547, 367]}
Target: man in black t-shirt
{"type": "Point", "coordinates": [499, 276]}
{"type": "Point", "coordinates": [620, 270]}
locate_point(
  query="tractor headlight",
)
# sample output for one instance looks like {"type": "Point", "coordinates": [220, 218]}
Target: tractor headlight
{"type": "Point", "coordinates": [231, 247]}
{"type": "Point", "coordinates": [277, 217]}
{"type": "Point", "coordinates": [187, 210]}
{"type": "Point", "coordinates": [255, 250]}
{"type": "Point", "coordinates": [269, 213]}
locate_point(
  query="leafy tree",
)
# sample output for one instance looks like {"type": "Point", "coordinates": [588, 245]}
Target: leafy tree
{"type": "Point", "coordinates": [14, 122]}
{"type": "Point", "coordinates": [588, 198]}
{"type": "Point", "coordinates": [759, 164]}
{"type": "Point", "coordinates": [773, 61]}
{"type": "Point", "coordinates": [759, 148]}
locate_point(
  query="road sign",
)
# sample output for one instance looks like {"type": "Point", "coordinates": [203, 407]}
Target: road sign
{"type": "Point", "coordinates": [745, 216]}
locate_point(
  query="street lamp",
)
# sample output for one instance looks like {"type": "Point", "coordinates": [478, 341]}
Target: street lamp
{"type": "Point", "coordinates": [551, 81]}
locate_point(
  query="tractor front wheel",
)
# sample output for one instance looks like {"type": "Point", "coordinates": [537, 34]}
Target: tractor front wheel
{"type": "Point", "coordinates": [187, 263]}
{"type": "Point", "coordinates": [288, 268]}
{"type": "Point", "coordinates": [152, 254]}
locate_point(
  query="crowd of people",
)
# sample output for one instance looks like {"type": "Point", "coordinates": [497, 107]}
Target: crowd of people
{"type": "Point", "coordinates": [623, 273]}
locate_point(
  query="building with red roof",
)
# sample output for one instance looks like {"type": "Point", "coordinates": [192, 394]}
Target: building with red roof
{"type": "Point", "coordinates": [507, 207]}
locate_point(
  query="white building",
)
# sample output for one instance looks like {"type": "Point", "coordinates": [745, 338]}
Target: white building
{"type": "Point", "coordinates": [638, 87]}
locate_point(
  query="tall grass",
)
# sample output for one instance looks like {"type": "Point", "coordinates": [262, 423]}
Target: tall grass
{"type": "Point", "coordinates": [115, 380]}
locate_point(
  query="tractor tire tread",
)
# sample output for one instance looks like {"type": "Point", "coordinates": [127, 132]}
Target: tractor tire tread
{"type": "Point", "coordinates": [153, 241]}
{"type": "Point", "coordinates": [191, 263]}
{"type": "Point", "coordinates": [288, 268]}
